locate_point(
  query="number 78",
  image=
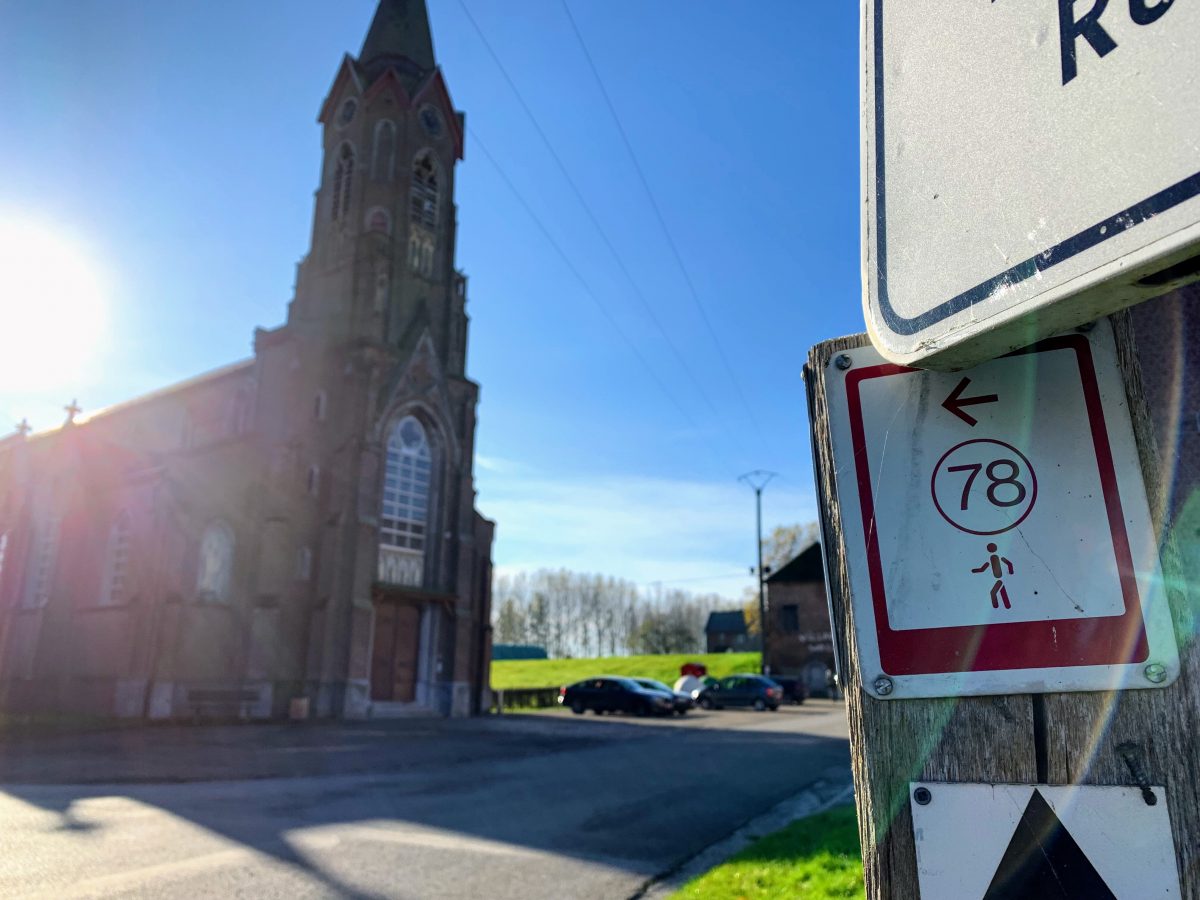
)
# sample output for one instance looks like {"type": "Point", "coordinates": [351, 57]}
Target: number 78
{"type": "Point", "coordinates": [994, 481]}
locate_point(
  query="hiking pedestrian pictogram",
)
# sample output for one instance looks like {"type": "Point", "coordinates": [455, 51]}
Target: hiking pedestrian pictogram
{"type": "Point", "coordinates": [999, 591]}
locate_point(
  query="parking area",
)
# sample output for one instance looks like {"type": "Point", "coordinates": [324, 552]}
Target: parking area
{"type": "Point", "coordinates": [825, 716]}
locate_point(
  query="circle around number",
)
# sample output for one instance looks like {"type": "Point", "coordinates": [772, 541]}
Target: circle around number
{"type": "Point", "coordinates": [1028, 467]}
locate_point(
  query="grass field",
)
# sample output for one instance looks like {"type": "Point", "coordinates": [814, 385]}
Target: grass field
{"type": "Point", "coordinates": [544, 673]}
{"type": "Point", "coordinates": [815, 859]}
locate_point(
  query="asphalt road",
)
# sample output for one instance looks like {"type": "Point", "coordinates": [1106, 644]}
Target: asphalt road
{"type": "Point", "coordinates": [523, 807]}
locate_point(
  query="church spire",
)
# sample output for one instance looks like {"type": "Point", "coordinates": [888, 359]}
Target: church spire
{"type": "Point", "coordinates": [399, 37]}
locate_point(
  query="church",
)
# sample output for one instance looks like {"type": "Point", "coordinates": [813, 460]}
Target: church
{"type": "Point", "coordinates": [295, 532]}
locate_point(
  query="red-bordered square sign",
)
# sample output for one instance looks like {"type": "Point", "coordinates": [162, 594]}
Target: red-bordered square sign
{"type": "Point", "coordinates": [996, 524]}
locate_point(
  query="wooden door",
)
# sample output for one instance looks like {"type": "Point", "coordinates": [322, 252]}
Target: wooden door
{"type": "Point", "coordinates": [395, 652]}
{"type": "Point", "coordinates": [382, 651]}
{"type": "Point", "coordinates": [407, 643]}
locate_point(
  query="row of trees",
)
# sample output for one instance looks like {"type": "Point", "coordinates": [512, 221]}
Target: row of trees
{"type": "Point", "coordinates": [573, 614]}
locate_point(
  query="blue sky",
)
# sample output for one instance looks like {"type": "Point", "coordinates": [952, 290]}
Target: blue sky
{"type": "Point", "coordinates": [176, 145]}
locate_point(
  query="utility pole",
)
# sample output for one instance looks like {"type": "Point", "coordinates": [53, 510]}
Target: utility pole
{"type": "Point", "coordinates": [757, 480]}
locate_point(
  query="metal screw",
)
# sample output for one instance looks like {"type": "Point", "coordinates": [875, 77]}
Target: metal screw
{"type": "Point", "coordinates": [883, 685]}
{"type": "Point", "coordinates": [843, 361]}
{"type": "Point", "coordinates": [922, 796]}
{"type": "Point", "coordinates": [1156, 672]}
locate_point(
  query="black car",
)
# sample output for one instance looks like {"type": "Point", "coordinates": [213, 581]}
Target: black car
{"type": "Point", "coordinates": [614, 694]}
{"type": "Point", "coordinates": [794, 690]}
{"type": "Point", "coordinates": [757, 691]}
{"type": "Point", "coordinates": [682, 702]}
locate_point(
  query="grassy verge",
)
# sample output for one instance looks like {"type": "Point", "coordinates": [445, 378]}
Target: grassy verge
{"type": "Point", "coordinates": [544, 673]}
{"type": "Point", "coordinates": [813, 858]}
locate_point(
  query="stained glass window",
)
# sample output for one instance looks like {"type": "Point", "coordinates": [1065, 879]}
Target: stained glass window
{"type": "Point", "coordinates": [116, 575]}
{"type": "Point", "coordinates": [215, 571]}
{"type": "Point", "coordinates": [406, 486]}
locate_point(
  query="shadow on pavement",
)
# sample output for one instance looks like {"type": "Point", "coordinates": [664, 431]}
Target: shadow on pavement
{"type": "Point", "coordinates": [638, 795]}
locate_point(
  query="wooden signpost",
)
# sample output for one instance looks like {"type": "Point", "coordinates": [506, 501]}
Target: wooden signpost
{"type": "Point", "coordinates": [1013, 624]}
{"type": "Point", "coordinates": [908, 737]}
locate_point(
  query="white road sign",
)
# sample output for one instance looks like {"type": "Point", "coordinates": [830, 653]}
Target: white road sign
{"type": "Point", "coordinates": [1026, 167]}
{"type": "Point", "coordinates": [1018, 841]}
{"type": "Point", "coordinates": [997, 531]}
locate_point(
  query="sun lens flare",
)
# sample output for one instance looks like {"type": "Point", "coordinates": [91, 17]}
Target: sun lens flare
{"type": "Point", "coordinates": [53, 308]}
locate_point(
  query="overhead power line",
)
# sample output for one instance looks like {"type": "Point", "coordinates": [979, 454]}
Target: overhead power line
{"type": "Point", "coordinates": [587, 288]}
{"type": "Point", "coordinates": [612, 109]}
{"type": "Point", "coordinates": [646, 305]}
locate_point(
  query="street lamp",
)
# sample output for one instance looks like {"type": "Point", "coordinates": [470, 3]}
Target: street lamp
{"type": "Point", "coordinates": [757, 480]}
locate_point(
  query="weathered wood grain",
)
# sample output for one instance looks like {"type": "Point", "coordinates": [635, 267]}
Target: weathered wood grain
{"type": "Point", "coordinates": [1142, 736]}
{"type": "Point", "coordinates": [1123, 738]}
{"type": "Point", "coordinates": [893, 743]}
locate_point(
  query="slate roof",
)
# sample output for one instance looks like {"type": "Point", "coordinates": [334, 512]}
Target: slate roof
{"type": "Point", "coordinates": [399, 36]}
{"type": "Point", "coordinates": [728, 622]}
{"type": "Point", "coordinates": [806, 565]}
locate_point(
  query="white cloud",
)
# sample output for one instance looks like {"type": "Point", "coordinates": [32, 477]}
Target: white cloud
{"type": "Point", "coordinates": [698, 536]}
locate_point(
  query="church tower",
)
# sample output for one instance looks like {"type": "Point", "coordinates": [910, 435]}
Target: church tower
{"type": "Point", "coordinates": [297, 530]}
{"type": "Point", "coordinates": [378, 407]}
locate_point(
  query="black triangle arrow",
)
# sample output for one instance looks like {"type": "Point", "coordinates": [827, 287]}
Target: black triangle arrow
{"type": "Point", "coordinates": [1043, 862]}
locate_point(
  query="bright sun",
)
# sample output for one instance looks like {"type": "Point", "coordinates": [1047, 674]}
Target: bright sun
{"type": "Point", "coordinates": [53, 309]}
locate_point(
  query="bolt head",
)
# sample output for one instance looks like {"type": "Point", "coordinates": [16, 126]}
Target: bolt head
{"type": "Point", "coordinates": [843, 361]}
{"type": "Point", "coordinates": [922, 796]}
{"type": "Point", "coordinates": [883, 685]}
{"type": "Point", "coordinates": [1155, 673]}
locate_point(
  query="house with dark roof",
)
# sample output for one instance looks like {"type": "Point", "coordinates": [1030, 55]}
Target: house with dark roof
{"type": "Point", "coordinates": [799, 637]}
{"type": "Point", "coordinates": [726, 631]}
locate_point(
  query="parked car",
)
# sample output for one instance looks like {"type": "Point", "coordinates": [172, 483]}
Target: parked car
{"type": "Point", "coordinates": [612, 694]}
{"type": "Point", "coordinates": [682, 700]}
{"type": "Point", "coordinates": [794, 689]}
{"type": "Point", "coordinates": [690, 685]}
{"type": "Point", "coordinates": [757, 691]}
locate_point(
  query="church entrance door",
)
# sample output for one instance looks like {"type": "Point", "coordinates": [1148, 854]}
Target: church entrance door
{"type": "Point", "coordinates": [396, 651]}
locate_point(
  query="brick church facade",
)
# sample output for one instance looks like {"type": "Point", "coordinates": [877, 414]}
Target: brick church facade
{"type": "Point", "coordinates": [301, 524]}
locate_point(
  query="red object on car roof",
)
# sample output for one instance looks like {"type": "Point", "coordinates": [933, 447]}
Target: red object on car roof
{"type": "Point", "coordinates": [693, 668]}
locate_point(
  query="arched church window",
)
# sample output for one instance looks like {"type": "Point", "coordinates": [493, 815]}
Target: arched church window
{"type": "Point", "coordinates": [44, 556]}
{"type": "Point", "coordinates": [420, 254]}
{"type": "Point", "coordinates": [406, 486]}
{"type": "Point", "coordinates": [343, 176]}
{"type": "Point", "coordinates": [115, 575]}
{"type": "Point", "coordinates": [423, 205]}
{"type": "Point", "coordinates": [215, 572]}
{"type": "Point", "coordinates": [383, 159]}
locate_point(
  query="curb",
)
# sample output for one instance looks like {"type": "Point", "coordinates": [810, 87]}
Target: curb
{"type": "Point", "coordinates": [833, 788]}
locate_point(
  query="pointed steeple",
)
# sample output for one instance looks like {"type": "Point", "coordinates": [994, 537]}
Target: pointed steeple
{"type": "Point", "coordinates": [399, 37]}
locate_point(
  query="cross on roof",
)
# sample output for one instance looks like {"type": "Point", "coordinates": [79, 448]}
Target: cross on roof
{"type": "Point", "coordinates": [23, 427]}
{"type": "Point", "coordinates": [73, 409]}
